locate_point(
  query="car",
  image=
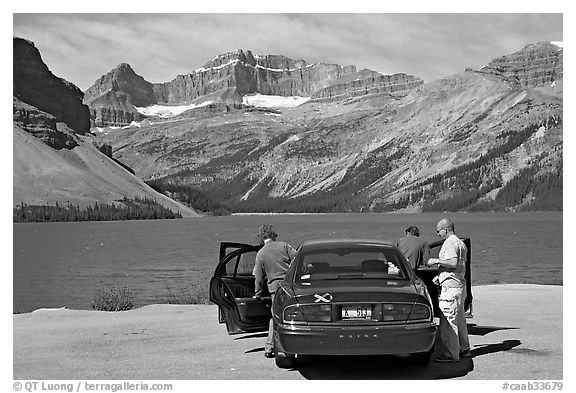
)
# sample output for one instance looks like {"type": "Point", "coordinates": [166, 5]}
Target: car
{"type": "Point", "coordinates": [338, 297]}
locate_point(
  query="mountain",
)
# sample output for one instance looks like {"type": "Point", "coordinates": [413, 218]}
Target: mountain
{"type": "Point", "coordinates": [230, 78]}
{"type": "Point", "coordinates": [112, 99]}
{"type": "Point", "coordinates": [82, 176]}
{"type": "Point", "coordinates": [55, 158]}
{"type": "Point", "coordinates": [34, 84]}
{"type": "Point", "coordinates": [534, 65]}
{"type": "Point", "coordinates": [489, 139]}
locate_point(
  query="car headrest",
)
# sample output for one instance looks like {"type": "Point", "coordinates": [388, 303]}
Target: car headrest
{"type": "Point", "coordinates": [374, 265]}
{"type": "Point", "coordinates": [318, 267]}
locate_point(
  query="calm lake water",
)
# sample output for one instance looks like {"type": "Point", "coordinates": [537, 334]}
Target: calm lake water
{"type": "Point", "coordinates": [64, 264]}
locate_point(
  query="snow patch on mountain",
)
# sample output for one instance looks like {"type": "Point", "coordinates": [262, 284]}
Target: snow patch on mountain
{"type": "Point", "coordinates": [225, 54]}
{"type": "Point", "coordinates": [293, 138]}
{"type": "Point", "coordinates": [281, 69]}
{"type": "Point", "coordinates": [168, 110]}
{"type": "Point", "coordinates": [231, 62]}
{"type": "Point", "coordinates": [132, 124]}
{"type": "Point", "coordinates": [559, 44]}
{"type": "Point", "coordinates": [266, 101]}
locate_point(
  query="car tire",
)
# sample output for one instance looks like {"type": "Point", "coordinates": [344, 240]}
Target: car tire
{"type": "Point", "coordinates": [422, 358]}
{"type": "Point", "coordinates": [283, 360]}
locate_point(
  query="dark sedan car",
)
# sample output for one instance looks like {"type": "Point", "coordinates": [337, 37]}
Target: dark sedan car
{"type": "Point", "coordinates": [339, 297]}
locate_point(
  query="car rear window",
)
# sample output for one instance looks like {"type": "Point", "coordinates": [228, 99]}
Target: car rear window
{"type": "Point", "coordinates": [350, 263]}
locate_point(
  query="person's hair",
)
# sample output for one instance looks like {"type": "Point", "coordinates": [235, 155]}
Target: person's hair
{"type": "Point", "coordinates": [267, 231]}
{"type": "Point", "coordinates": [413, 230]}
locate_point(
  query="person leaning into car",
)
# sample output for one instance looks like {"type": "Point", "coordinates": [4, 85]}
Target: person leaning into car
{"type": "Point", "coordinates": [451, 264]}
{"type": "Point", "coordinates": [416, 250]}
{"type": "Point", "coordinates": [271, 264]}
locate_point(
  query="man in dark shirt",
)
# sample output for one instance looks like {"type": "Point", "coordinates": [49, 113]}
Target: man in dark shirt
{"type": "Point", "coordinates": [271, 264]}
{"type": "Point", "coordinates": [416, 250]}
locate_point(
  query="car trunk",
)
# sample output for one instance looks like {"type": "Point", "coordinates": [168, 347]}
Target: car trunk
{"type": "Point", "coordinates": [358, 301]}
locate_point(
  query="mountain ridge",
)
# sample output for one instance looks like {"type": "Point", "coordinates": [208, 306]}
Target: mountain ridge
{"type": "Point", "coordinates": [480, 140]}
{"type": "Point", "coordinates": [525, 66]}
{"type": "Point", "coordinates": [228, 77]}
{"type": "Point", "coordinates": [370, 153]}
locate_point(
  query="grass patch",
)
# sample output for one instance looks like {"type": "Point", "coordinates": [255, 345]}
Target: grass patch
{"type": "Point", "coordinates": [114, 298]}
{"type": "Point", "coordinates": [190, 293]}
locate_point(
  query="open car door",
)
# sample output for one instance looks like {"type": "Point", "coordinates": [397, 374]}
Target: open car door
{"type": "Point", "coordinates": [428, 273]}
{"type": "Point", "coordinates": [233, 286]}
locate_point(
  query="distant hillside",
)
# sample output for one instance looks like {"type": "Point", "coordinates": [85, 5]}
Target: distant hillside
{"type": "Point", "coordinates": [452, 144]}
{"type": "Point", "coordinates": [81, 176]}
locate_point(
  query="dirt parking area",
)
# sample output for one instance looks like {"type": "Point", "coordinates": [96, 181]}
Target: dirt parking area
{"type": "Point", "coordinates": [516, 334]}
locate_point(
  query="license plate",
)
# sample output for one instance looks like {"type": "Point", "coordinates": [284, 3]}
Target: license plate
{"type": "Point", "coordinates": [357, 311]}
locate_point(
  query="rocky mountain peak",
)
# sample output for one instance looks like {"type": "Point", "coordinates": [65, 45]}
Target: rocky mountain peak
{"type": "Point", "coordinates": [27, 57]}
{"type": "Point", "coordinates": [124, 67]}
{"type": "Point", "coordinates": [543, 45]}
{"type": "Point", "coordinates": [113, 97]}
{"type": "Point", "coordinates": [247, 58]}
{"type": "Point", "coordinates": [123, 72]}
{"type": "Point", "coordinates": [534, 65]}
{"type": "Point", "coordinates": [228, 58]}
{"type": "Point", "coordinates": [123, 79]}
{"type": "Point", "coordinates": [230, 76]}
{"type": "Point", "coordinates": [35, 85]}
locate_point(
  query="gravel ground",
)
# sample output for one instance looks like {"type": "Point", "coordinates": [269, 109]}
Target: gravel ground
{"type": "Point", "coordinates": [516, 334]}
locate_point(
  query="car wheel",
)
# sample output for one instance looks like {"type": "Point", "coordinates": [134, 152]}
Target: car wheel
{"type": "Point", "coordinates": [283, 360]}
{"type": "Point", "coordinates": [422, 358]}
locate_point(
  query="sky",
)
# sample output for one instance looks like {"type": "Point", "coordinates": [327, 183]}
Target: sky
{"type": "Point", "coordinates": [82, 47]}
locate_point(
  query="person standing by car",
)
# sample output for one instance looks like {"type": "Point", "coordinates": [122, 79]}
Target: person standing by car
{"type": "Point", "coordinates": [271, 264]}
{"type": "Point", "coordinates": [416, 250]}
{"type": "Point", "coordinates": [451, 264]}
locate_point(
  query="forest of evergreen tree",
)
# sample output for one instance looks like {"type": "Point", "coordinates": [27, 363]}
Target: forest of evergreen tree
{"type": "Point", "coordinates": [190, 196]}
{"type": "Point", "coordinates": [468, 184]}
{"type": "Point", "coordinates": [127, 209]}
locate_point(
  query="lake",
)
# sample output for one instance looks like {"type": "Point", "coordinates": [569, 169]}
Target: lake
{"type": "Point", "coordinates": [64, 264]}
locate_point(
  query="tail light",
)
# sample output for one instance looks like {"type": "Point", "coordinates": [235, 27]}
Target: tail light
{"type": "Point", "coordinates": [405, 312]}
{"type": "Point", "coordinates": [395, 311]}
{"type": "Point", "coordinates": [293, 314]}
{"type": "Point", "coordinates": [300, 314]}
{"type": "Point", "coordinates": [420, 312]}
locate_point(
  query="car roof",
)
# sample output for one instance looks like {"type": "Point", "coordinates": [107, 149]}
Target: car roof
{"type": "Point", "coordinates": [337, 243]}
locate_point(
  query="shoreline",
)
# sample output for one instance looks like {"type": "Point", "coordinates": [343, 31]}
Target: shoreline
{"type": "Point", "coordinates": [137, 307]}
{"type": "Point", "coordinates": [390, 212]}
